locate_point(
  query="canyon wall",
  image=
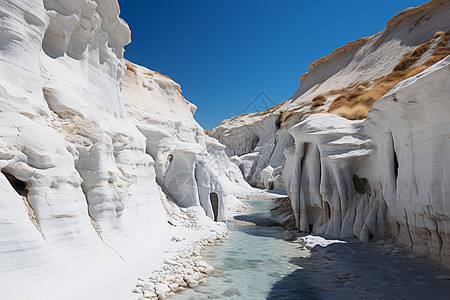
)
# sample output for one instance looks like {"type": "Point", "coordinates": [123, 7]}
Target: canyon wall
{"type": "Point", "coordinates": [350, 171]}
{"type": "Point", "coordinates": [187, 162]}
{"type": "Point", "coordinates": [346, 82]}
{"type": "Point", "coordinates": [384, 177]}
{"type": "Point", "coordinates": [86, 180]}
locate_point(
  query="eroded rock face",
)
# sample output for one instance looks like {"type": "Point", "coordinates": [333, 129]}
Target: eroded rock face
{"type": "Point", "coordinates": [382, 177]}
{"type": "Point", "coordinates": [79, 182]}
{"type": "Point", "coordinates": [343, 176]}
{"type": "Point", "coordinates": [57, 124]}
{"type": "Point", "coordinates": [257, 141]}
{"type": "Point", "coordinates": [358, 69]}
{"type": "Point", "coordinates": [413, 147]}
{"type": "Point", "coordinates": [190, 164]}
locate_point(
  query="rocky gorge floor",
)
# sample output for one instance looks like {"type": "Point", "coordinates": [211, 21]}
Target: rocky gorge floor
{"type": "Point", "coordinates": [310, 266]}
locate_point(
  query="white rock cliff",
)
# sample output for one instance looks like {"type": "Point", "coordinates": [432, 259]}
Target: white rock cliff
{"type": "Point", "coordinates": [85, 179]}
{"type": "Point", "coordinates": [383, 175]}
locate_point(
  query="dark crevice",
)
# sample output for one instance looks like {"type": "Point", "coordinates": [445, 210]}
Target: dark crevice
{"type": "Point", "coordinates": [18, 185]}
{"type": "Point", "coordinates": [396, 165]}
{"type": "Point", "coordinates": [167, 165]}
{"type": "Point", "coordinates": [278, 122]}
{"type": "Point", "coordinates": [302, 161]}
{"type": "Point", "coordinates": [305, 150]}
{"type": "Point", "coordinates": [214, 199]}
{"type": "Point", "coordinates": [301, 175]}
{"type": "Point", "coordinates": [255, 142]}
{"type": "Point", "coordinates": [327, 210]}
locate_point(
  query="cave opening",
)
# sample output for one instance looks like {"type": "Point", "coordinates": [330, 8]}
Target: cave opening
{"type": "Point", "coordinates": [214, 199]}
{"type": "Point", "coordinates": [361, 185]}
{"type": "Point", "coordinates": [18, 185]}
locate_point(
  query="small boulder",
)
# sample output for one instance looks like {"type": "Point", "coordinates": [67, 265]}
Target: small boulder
{"type": "Point", "coordinates": [191, 282]}
{"type": "Point", "coordinates": [150, 294]}
{"type": "Point", "coordinates": [174, 287]}
{"type": "Point", "coordinates": [289, 236]}
{"type": "Point", "coordinates": [161, 289]}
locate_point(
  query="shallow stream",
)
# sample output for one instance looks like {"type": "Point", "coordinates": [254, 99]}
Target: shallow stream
{"type": "Point", "coordinates": [256, 263]}
{"type": "Point", "coordinates": [250, 263]}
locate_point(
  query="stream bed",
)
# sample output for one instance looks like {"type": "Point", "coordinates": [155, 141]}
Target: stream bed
{"type": "Point", "coordinates": [256, 263]}
{"type": "Point", "coordinates": [250, 263]}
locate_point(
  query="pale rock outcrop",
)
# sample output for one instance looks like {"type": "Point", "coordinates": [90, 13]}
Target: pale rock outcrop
{"type": "Point", "coordinates": [191, 165]}
{"type": "Point", "coordinates": [255, 140]}
{"type": "Point", "coordinates": [410, 127]}
{"type": "Point", "coordinates": [320, 177]}
{"type": "Point", "coordinates": [382, 177]}
{"type": "Point", "coordinates": [43, 144]}
{"type": "Point", "coordinates": [271, 178]}
{"type": "Point", "coordinates": [343, 177]}
{"type": "Point", "coordinates": [80, 191]}
{"type": "Point", "coordinates": [359, 62]}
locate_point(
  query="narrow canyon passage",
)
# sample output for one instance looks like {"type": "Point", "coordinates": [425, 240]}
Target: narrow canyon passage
{"type": "Point", "coordinates": [256, 263]}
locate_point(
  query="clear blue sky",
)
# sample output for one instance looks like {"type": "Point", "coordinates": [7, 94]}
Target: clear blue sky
{"type": "Point", "coordinates": [224, 53]}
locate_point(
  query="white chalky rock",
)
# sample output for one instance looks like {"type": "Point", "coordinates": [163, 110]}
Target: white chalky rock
{"type": "Point", "coordinates": [359, 178]}
{"type": "Point", "coordinates": [192, 166]}
{"type": "Point", "coordinates": [190, 281]}
{"type": "Point", "coordinates": [79, 165]}
{"type": "Point", "coordinates": [174, 287]}
{"type": "Point", "coordinates": [161, 289]}
{"type": "Point", "coordinates": [386, 176]}
{"type": "Point", "coordinates": [149, 294]}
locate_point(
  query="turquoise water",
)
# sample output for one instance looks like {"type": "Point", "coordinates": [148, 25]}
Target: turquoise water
{"type": "Point", "coordinates": [251, 263]}
{"type": "Point", "coordinates": [256, 263]}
